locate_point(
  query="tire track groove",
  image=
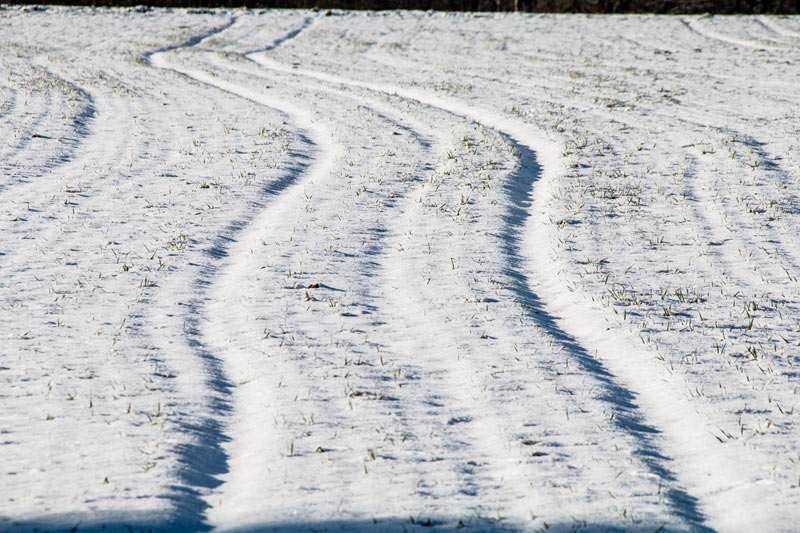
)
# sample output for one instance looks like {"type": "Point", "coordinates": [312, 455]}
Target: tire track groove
{"type": "Point", "coordinates": [207, 324]}
{"type": "Point", "coordinates": [631, 420]}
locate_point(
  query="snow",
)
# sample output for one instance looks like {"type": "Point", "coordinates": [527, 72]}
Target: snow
{"type": "Point", "coordinates": [398, 271]}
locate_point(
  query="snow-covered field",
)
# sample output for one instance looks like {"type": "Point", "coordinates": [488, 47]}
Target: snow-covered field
{"type": "Point", "coordinates": [398, 271]}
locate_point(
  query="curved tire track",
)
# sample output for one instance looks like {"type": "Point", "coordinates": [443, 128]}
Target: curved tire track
{"type": "Point", "coordinates": [209, 326]}
{"type": "Point", "coordinates": [536, 175]}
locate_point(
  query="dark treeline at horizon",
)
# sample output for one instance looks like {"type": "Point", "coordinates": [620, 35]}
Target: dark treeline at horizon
{"type": "Point", "coordinates": [786, 7]}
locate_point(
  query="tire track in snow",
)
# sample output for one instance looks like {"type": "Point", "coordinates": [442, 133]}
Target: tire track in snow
{"type": "Point", "coordinates": [534, 171]}
{"type": "Point", "coordinates": [491, 468]}
{"type": "Point", "coordinates": [679, 429]}
{"type": "Point", "coordinates": [226, 334]}
{"type": "Point", "coordinates": [409, 423]}
{"type": "Point", "coordinates": [770, 24]}
{"type": "Point", "coordinates": [475, 479]}
{"type": "Point", "coordinates": [204, 459]}
{"type": "Point", "coordinates": [702, 29]}
{"type": "Point", "coordinates": [471, 470]}
{"type": "Point", "coordinates": [472, 481]}
{"type": "Point", "coordinates": [324, 409]}
{"type": "Point", "coordinates": [307, 22]}
{"type": "Point", "coordinates": [488, 414]}
{"type": "Point", "coordinates": [433, 377]}
{"type": "Point", "coordinates": [208, 326]}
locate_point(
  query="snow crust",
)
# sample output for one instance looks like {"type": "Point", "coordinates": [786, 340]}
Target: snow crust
{"type": "Point", "coordinates": [293, 270]}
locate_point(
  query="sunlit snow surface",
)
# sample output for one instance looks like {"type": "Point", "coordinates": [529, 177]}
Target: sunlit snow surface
{"type": "Point", "coordinates": [399, 271]}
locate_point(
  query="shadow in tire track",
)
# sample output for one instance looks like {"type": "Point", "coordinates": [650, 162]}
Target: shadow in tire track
{"type": "Point", "coordinates": [628, 418]}
{"type": "Point", "coordinates": [204, 460]}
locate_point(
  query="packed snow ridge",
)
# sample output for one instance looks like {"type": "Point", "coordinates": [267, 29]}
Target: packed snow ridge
{"type": "Point", "coordinates": [294, 270]}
